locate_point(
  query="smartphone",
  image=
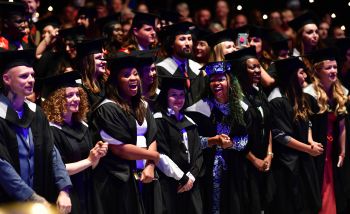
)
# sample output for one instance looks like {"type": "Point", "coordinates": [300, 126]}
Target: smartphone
{"type": "Point", "coordinates": [242, 39]}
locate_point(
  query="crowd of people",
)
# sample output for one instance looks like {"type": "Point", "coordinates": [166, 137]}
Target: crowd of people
{"type": "Point", "coordinates": [116, 110]}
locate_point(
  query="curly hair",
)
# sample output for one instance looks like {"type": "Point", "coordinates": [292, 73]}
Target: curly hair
{"type": "Point", "coordinates": [55, 106]}
{"type": "Point", "coordinates": [337, 91]}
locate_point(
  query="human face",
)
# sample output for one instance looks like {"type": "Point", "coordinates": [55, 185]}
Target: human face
{"type": "Point", "coordinates": [257, 42]}
{"type": "Point", "coordinates": [323, 29]}
{"type": "Point", "coordinates": [183, 45]}
{"type": "Point", "coordinates": [222, 9]}
{"type": "Point", "coordinates": [310, 35]}
{"type": "Point", "coordinates": [201, 49]}
{"type": "Point", "coordinates": [83, 20]}
{"type": "Point", "coordinates": [126, 29]}
{"type": "Point", "coordinates": [301, 75]}
{"type": "Point", "coordinates": [338, 33]}
{"type": "Point", "coordinates": [146, 35]}
{"type": "Point", "coordinates": [71, 49]}
{"type": "Point", "coordinates": [73, 99]}
{"type": "Point", "coordinates": [100, 64]}
{"type": "Point", "coordinates": [254, 71]}
{"type": "Point", "coordinates": [31, 5]}
{"type": "Point", "coordinates": [16, 25]}
{"type": "Point", "coordinates": [240, 21]}
{"type": "Point", "coordinates": [204, 17]}
{"type": "Point", "coordinates": [228, 47]}
{"type": "Point", "coordinates": [49, 31]}
{"type": "Point", "coordinates": [149, 74]}
{"type": "Point", "coordinates": [176, 99]}
{"type": "Point", "coordinates": [328, 73]}
{"type": "Point", "coordinates": [118, 32]}
{"type": "Point", "coordinates": [20, 80]}
{"type": "Point", "coordinates": [128, 82]}
{"type": "Point", "coordinates": [219, 87]}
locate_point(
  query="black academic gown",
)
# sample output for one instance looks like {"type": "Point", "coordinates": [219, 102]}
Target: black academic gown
{"type": "Point", "coordinates": [297, 186]}
{"type": "Point", "coordinates": [116, 185]}
{"type": "Point", "coordinates": [319, 134]}
{"type": "Point", "coordinates": [259, 185]}
{"type": "Point", "coordinates": [197, 90]}
{"type": "Point", "coordinates": [169, 142]}
{"type": "Point", "coordinates": [74, 144]}
{"type": "Point", "coordinates": [34, 118]}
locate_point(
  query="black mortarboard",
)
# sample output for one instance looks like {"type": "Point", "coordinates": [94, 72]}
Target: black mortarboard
{"type": "Point", "coordinates": [178, 28]}
{"type": "Point", "coordinates": [221, 36]}
{"type": "Point", "coordinates": [260, 32]}
{"type": "Point", "coordinates": [279, 45]}
{"type": "Point", "coordinates": [286, 68]}
{"type": "Point", "coordinates": [175, 82]}
{"type": "Point", "coordinates": [89, 12]}
{"type": "Point", "coordinates": [219, 67]}
{"type": "Point", "coordinates": [144, 18]}
{"type": "Point", "coordinates": [7, 8]}
{"type": "Point", "coordinates": [68, 79]}
{"type": "Point", "coordinates": [242, 54]}
{"type": "Point", "coordinates": [104, 22]}
{"type": "Point", "coordinates": [343, 45]}
{"type": "Point", "coordinates": [74, 33]}
{"type": "Point", "coordinates": [300, 21]}
{"type": "Point", "coordinates": [90, 47]}
{"type": "Point", "coordinates": [9, 59]}
{"type": "Point", "coordinates": [146, 57]}
{"type": "Point", "coordinates": [169, 16]}
{"type": "Point", "coordinates": [200, 35]}
{"type": "Point", "coordinates": [323, 54]}
{"type": "Point", "coordinates": [51, 20]}
{"type": "Point", "coordinates": [121, 60]}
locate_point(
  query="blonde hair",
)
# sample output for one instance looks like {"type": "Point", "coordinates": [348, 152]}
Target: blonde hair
{"type": "Point", "coordinates": [217, 53]}
{"type": "Point", "coordinates": [337, 90]}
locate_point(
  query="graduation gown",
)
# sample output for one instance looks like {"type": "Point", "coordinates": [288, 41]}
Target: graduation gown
{"type": "Point", "coordinates": [319, 133]}
{"type": "Point", "coordinates": [297, 187]}
{"type": "Point", "coordinates": [74, 144]}
{"type": "Point", "coordinates": [197, 90]}
{"type": "Point", "coordinates": [170, 143]}
{"type": "Point", "coordinates": [33, 118]}
{"type": "Point", "coordinates": [116, 185]}
{"type": "Point", "coordinates": [259, 185]}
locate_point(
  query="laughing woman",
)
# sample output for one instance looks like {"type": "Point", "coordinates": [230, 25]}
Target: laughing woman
{"type": "Point", "coordinates": [66, 108]}
{"type": "Point", "coordinates": [329, 99]}
{"type": "Point", "coordinates": [179, 145]}
{"type": "Point", "coordinates": [125, 122]}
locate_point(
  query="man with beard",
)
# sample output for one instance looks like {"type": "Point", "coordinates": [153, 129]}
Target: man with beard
{"type": "Point", "coordinates": [14, 24]}
{"type": "Point", "coordinates": [178, 46]}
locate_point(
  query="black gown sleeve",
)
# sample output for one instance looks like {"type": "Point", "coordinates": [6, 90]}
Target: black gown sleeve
{"type": "Point", "coordinates": [197, 156]}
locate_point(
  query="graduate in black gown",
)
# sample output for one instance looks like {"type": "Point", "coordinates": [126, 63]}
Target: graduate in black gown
{"type": "Point", "coordinates": [124, 121]}
{"type": "Point", "coordinates": [66, 107]}
{"type": "Point", "coordinates": [329, 99]}
{"type": "Point", "coordinates": [181, 162]}
{"type": "Point", "coordinates": [259, 180]}
{"type": "Point", "coordinates": [30, 166]}
{"type": "Point", "coordinates": [297, 189]}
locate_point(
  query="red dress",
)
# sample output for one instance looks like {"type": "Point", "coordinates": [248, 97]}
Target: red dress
{"type": "Point", "coordinates": [328, 193]}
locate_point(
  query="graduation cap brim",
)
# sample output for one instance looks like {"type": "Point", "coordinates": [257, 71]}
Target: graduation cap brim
{"type": "Point", "coordinates": [259, 32]}
{"type": "Point", "coordinates": [7, 8]}
{"type": "Point", "coordinates": [90, 47]}
{"type": "Point", "coordinates": [222, 36]}
{"type": "Point", "coordinates": [51, 20]}
{"type": "Point", "coordinates": [200, 35]}
{"type": "Point", "coordinates": [72, 33]}
{"type": "Point", "coordinates": [302, 20]}
{"type": "Point", "coordinates": [146, 57]}
{"type": "Point", "coordinates": [322, 54]}
{"type": "Point", "coordinates": [219, 67]}
{"type": "Point", "coordinates": [242, 54]}
{"type": "Point", "coordinates": [120, 60]}
{"type": "Point", "coordinates": [175, 82]}
{"type": "Point", "coordinates": [10, 59]}
{"type": "Point", "coordinates": [53, 83]}
{"type": "Point", "coordinates": [178, 29]}
{"type": "Point", "coordinates": [89, 12]}
{"type": "Point", "coordinates": [286, 68]}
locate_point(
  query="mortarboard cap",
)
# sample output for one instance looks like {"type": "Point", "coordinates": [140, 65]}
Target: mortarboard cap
{"type": "Point", "coordinates": [286, 68]}
{"type": "Point", "coordinates": [169, 16]}
{"type": "Point", "coordinates": [53, 83]}
{"type": "Point", "coordinates": [200, 35]}
{"type": "Point", "coordinates": [51, 20]}
{"type": "Point", "coordinates": [279, 45]}
{"type": "Point", "coordinates": [144, 18]}
{"type": "Point", "coordinates": [90, 47]}
{"type": "Point", "coordinates": [222, 36]}
{"type": "Point", "coordinates": [304, 19]}
{"type": "Point", "coordinates": [323, 54]}
{"type": "Point", "coordinates": [178, 28]}
{"type": "Point", "coordinates": [260, 32]}
{"type": "Point", "coordinates": [88, 12]}
{"type": "Point", "coordinates": [219, 67]}
{"type": "Point", "coordinates": [146, 57]}
{"type": "Point", "coordinates": [7, 8]}
{"type": "Point", "coordinates": [9, 59]}
{"type": "Point", "coordinates": [121, 60]}
{"type": "Point", "coordinates": [242, 54]}
{"type": "Point", "coordinates": [74, 33]}
{"type": "Point", "coordinates": [172, 82]}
